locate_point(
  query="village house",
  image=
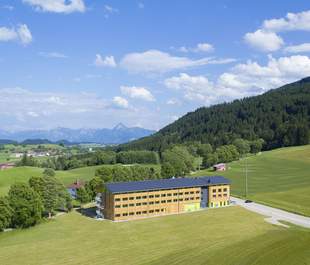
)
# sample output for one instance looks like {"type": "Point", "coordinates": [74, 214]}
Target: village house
{"type": "Point", "coordinates": [219, 167]}
{"type": "Point", "coordinates": [72, 188]}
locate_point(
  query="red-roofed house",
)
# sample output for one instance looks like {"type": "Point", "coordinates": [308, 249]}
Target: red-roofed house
{"type": "Point", "coordinates": [72, 188]}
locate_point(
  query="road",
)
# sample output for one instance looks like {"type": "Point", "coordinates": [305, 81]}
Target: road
{"type": "Point", "coordinates": [273, 215]}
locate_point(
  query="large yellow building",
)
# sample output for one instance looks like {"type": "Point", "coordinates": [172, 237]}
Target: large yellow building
{"type": "Point", "coordinates": [137, 199]}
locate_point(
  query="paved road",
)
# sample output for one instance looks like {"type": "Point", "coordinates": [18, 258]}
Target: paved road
{"type": "Point", "coordinates": [274, 215]}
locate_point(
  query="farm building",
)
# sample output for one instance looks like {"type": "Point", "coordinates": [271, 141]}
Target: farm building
{"type": "Point", "coordinates": [6, 166]}
{"type": "Point", "coordinates": [72, 188]}
{"type": "Point", "coordinates": [219, 167]}
{"type": "Point", "coordinates": [133, 200]}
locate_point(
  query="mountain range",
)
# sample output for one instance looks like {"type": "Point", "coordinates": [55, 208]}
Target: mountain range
{"type": "Point", "coordinates": [281, 117]}
{"type": "Point", "coordinates": [119, 134]}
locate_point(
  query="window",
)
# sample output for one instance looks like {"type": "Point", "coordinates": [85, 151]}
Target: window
{"type": "Point", "coordinates": [175, 200]}
{"type": "Point", "coordinates": [131, 213]}
{"type": "Point", "coordinates": [138, 213]}
{"type": "Point", "coordinates": [151, 203]}
{"type": "Point", "coordinates": [180, 193]}
{"type": "Point", "coordinates": [214, 190]}
{"type": "Point", "coordinates": [163, 195]}
{"type": "Point", "coordinates": [180, 199]}
{"type": "Point", "coordinates": [125, 205]}
{"type": "Point", "coordinates": [175, 194]}
{"type": "Point", "coordinates": [144, 203]}
{"type": "Point", "coordinates": [162, 210]}
{"type": "Point", "coordinates": [191, 192]}
{"type": "Point", "coordinates": [157, 202]}
{"type": "Point", "coordinates": [225, 189]}
{"type": "Point", "coordinates": [144, 212]}
{"type": "Point", "coordinates": [214, 195]}
{"type": "Point", "coordinates": [131, 205]}
{"type": "Point", "coordinates": [225, 195]}
{"type": "Point", "coordinates": [151, 211]}
{"type": "Point", "coordinates": [138, 204]}
{"type": "Point", "coordinates": [131, 198]}
{"type": "Point", "coordinates": [197, 192]}
{"type": "Point", "coordinates": [219, 190]}
{"type": "Point", "coordinates": [144, 197]}
{"type": "Point", "coordinates": [117, 206]}
{"type": "Point", "coordinates": [151, 196]}
{"type": "Point", "coordinates": [186, 193]}
{"type": "Point", "coordinates": [220, 195]}
{"type": "Point", "coordinates": [192, 198]}
{"type": "Point", "coordinates": [197, 198]}
{"type": "Point", "coordinates": [138, 197]}
{"type": "Point", "coordinates": [125, 214]}
{"type": "Point", "coordinates": [169, 194]}
{"type": "Point", "coordinates": [163, 201]}
{"type": "Point", "coordinates": [117, 215]}
{"type": "Point", "coordinates": [117, 199]}
{"type": "Point", "coordinates": [157, 210]}
{"type": "Point", "coordinates": [156, 195]}
{"type": "Point", "coordinates": [168, 201]}
{"type": "Point", "coordinates": [186, 199]}
{"type": "Point", "coordinates": [125, 199]}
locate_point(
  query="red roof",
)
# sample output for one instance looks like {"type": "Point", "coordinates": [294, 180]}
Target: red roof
{"type": "Point", "coordinates": [76, 185]}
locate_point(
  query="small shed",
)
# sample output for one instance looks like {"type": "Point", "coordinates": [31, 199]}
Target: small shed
{"type": "Point", "coordinates": [219, 167]}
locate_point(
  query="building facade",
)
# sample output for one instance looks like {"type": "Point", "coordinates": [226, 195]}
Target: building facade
{"type": "Point", "coordinates": [133, 200]}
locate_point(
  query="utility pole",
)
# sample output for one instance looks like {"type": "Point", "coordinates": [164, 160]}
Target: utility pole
{"type": "Point", "coordinates": [246, 178]}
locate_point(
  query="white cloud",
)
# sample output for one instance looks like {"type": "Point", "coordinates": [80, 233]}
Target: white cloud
{"type": "Point", "coordinates": [7, 34]}
{"type": "Point", "coordinates": [305, 47]}
{"type": "Point", "coordinates": [121, 102]}
{"type": "Point", "coordinates": [155, 61]}
{"type": "Point", "coordinates": [107, 61]}
{"type": "Point", "coordinates": [53, 55]}
{"type": "Point", "coordinates": [137, 93]}
{"type": "Point", "coordinates": [57, 6]}
{"type": "Point", "coordinates": [292, 21]}
{"type": "Point", "coordinates": [242, 80]}
{"type": "Point", "coordinates": [200, 47]}
{"type": "Point", "coordinates": [109, 10]}
{"type": "Point", "coordinates": [8, 7]}
{"type": "Point", "coordinates": [264, 40]}
{"type": "Point", "coordinates": [173, 101]}
{"type": "Point", "coordinates": [21, 34]}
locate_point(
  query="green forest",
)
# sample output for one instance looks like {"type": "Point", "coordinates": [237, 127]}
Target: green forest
{"type": "Point", "coordinates": [281, 117]}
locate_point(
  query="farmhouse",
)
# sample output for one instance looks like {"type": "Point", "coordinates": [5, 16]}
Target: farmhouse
{"type": "Point", "coordinates": [219, 167]}
{"type": "Point", "coordinates": [72, 188]}
{"type": "Point", "coordinates": [133, 200]}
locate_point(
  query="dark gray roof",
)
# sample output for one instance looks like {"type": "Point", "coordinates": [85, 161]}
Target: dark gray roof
{"type": "Point", "coordinates": [163, 184]}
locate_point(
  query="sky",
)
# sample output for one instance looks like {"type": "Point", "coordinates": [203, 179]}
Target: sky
{"type": "Point", "coordinates": [95, 63]}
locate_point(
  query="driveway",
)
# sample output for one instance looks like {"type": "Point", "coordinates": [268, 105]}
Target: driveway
{"type": "Point", "coordinates": [273, 215]}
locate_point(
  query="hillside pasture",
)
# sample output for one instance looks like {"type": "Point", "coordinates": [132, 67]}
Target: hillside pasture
{"type": "Point", "coordinates": [279, 178]}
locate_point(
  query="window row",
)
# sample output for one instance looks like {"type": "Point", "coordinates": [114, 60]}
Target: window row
{"type": "Point", "coordinates": [219, 195]}
{"type": "Point", "coordinates": [157, 196]}
{"type": "Point", "coordinates": [156, 202]}
{"type": "Point", "coordinates": [140, 212]}
{"type": "Point", "coordinates": [219, 190]}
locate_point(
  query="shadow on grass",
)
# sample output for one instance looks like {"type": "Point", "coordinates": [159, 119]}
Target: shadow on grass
{"type": "Point", "coordinates": [88, 212]}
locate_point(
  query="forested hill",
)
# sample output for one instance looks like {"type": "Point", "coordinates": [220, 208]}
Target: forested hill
{"type": "Point", "coordinates": [280, 116]}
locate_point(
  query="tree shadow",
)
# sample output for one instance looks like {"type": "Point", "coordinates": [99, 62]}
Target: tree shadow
{"type": "Point", "coordinates": [88, 212]}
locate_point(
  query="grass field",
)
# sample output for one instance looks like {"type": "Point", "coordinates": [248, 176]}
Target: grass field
{"type": "Point", "coordinates": [22, 174]}
{"type": "Point", "coordinates": [279, 178]}
{"type": "Point", "coordinates": [227, 236]}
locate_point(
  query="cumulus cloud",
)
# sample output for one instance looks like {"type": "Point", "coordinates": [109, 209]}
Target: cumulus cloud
{"type": "Point", "coordinates": [200, 47]}
{"type": "Point", "coordinates": [242, 80]}
{"type": "Point", "coordinates": [264, 40]}
{"type": "Point", "coordinates": [120, 102]}
{"type": "Point", "coordinates": [108, 61]}
{"type": "Point", "coordinates": [301, 48]}
{"type": "Point", "coordinates": [21, 34]}
{"type": "Point", "coordinates": [292, 21]}
{"type": "Point", "coordinates": [137, 93]}
{"type": "Point", "coordinates": [155, 61]}
{"type": "Point", "coordinates": [57, 6]}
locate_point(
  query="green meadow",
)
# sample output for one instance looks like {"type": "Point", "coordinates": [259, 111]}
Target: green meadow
{"type": "Point", "coordinates": [279, 178]}
{"type": "Point", "coordinates": [227, 236]}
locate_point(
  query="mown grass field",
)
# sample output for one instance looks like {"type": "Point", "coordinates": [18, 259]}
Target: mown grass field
{"type": "Point", "coordinates": [22, 174]}
{"type": "Point", "coordinates": [279, 178]}
{"type": "Point", "coordinates": [227, 236]}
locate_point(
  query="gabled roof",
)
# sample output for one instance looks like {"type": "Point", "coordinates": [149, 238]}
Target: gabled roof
{"type": "Point", "coordinates": [163, 184]}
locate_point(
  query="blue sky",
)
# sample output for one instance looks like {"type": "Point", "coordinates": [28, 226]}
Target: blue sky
{"type": "Point", "coordinates": [93, 64]}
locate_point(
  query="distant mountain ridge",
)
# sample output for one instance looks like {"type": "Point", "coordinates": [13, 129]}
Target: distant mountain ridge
{"type": "Point", "coordinates": [117, 135]}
